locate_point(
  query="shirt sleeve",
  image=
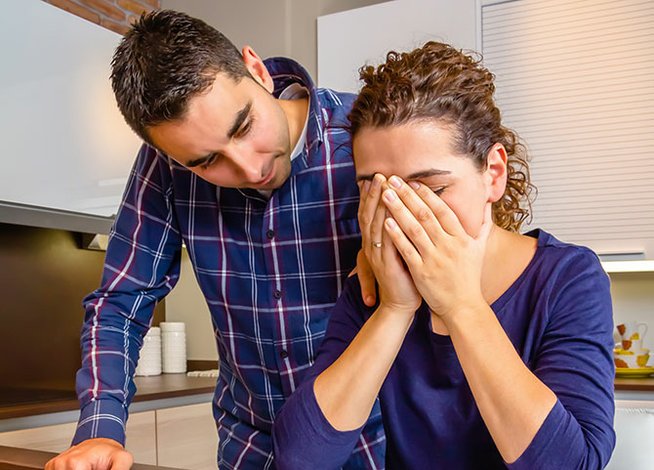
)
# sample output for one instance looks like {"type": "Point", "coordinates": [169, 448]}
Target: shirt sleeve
{"type": "Point", "coordinates": [302, 435]}
{"type": "Point", "coordinates": [575, 359]}
{"type": "Point", "coordinates": [141, 267]}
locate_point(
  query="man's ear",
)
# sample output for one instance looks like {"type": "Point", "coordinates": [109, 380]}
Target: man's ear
{"type": "Point", "coordinates": [496, 172]}
{"type": "Point", "coordinates": [257, 68]}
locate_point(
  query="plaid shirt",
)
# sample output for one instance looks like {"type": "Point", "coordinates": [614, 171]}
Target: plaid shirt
{"type": "Point", "coordinates": [270, 270]}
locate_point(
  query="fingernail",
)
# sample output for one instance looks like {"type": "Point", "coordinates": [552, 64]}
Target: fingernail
{"type": "Point", "coordinates": [391, 224]}
{"type": "Point", "coordinates": [376, 182]}
{"type": "Point", "coordinates": [366, 186]}
{"type": "Point", "coordinates": [414, 184]}
{"type": "Point", "coordinates": [389, 195]}
{"type": "Point", "coordinates": [395, 181]}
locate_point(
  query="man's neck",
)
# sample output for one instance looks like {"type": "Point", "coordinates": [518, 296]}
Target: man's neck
{"type": "Point", "coordinates": [296, 114]}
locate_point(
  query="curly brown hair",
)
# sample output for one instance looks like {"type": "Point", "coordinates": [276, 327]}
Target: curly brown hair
{"type": "Point", "coordinates": [439, 82]}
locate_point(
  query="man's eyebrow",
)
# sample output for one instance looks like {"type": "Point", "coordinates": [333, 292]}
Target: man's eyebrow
{"type": "Point", "coordinates": [238, 122]}
{"type": "Point", "coordinates": [198, 161]}
{"type": "Point", "coordinates": [240, 117]}
{"type": "Point", "coordinates": [412, 176]}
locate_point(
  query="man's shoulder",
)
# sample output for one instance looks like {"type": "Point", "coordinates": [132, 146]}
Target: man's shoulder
{"type": "Point", "coordinates": [337, 100]}
{"type": "Point", "coordinates": [337, 104]}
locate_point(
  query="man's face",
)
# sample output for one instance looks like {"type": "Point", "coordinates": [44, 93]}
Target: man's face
{"type": "Point", "coordinates": [234, 135]}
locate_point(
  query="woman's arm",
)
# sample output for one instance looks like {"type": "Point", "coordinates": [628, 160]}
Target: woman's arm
{"type": "Point", "coordinates": [354, 359]}
{"type": "Point", "coordinates": [346, 391]}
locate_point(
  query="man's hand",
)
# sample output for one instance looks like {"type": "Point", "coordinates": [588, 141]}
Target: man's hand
{"type": "Point", "coordinates": [93, 454]}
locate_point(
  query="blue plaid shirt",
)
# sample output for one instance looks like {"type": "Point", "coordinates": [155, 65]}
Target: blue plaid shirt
{"type": "Point", "coordinates": [270, 270]}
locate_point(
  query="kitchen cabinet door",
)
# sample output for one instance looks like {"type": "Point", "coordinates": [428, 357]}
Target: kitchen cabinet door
{"type": "Point", "coordinates": [141, 440]}
{"type": "Point", "coordinates": [187, 437]}
{"type": "Point", "coordinates": [65, 144]}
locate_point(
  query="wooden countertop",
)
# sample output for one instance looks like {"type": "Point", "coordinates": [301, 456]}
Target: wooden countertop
{"type": "Point", "coordinates": [172, 386]}
{"type": "Point", "coordinates": [148, 388]}
{"type": "Point", "coordinates": [14, 458]}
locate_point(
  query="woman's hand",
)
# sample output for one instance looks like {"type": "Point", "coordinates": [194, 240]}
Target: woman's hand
{"type": "Point", "coordinates": [397, 291]}
{"type": "Point", "coordinates": [445, 262]}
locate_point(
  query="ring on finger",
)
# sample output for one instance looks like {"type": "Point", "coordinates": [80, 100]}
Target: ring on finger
{"type": "Point", "coordinates": [377, 244]}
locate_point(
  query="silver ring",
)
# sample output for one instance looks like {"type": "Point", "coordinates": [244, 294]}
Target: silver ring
{"type": "Point", "coordinates": [377, 244]}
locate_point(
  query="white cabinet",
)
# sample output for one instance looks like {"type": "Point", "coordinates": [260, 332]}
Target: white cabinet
{"type": "Point", "coordinates": [141, 437]}
{"type": "Point", "coordinates": [182, 437]}
{"type": "Point", "coordinates": [65, 145]}
{"type": "Point", "coordinates": [187, 437]}
{"type": "Point", "coordinates": [368, 33]}
{"type": "Point", "coordinates": [574, 79]}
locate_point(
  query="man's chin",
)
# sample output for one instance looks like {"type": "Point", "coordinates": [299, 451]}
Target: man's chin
{"type": "Point", "coordinates": [282, 174]}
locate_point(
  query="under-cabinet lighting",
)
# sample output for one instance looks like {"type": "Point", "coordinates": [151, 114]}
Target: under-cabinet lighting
{"type": "Point", "coordinates": [631, 266]}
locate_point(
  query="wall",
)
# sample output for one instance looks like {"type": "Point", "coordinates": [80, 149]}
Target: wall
{"type": "Point", "coordinates": [272, 27]}
{"type": "Point", "coordinates": [186, 304]}
{"type": "Point", "coordinates": [115, 15]}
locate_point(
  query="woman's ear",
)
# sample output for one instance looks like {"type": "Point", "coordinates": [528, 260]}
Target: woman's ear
{"type": "Point", "coordinates": [257, 68]}
{"type": "Point", "coordinates": [496, 172]}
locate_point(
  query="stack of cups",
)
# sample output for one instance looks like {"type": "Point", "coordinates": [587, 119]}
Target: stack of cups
{"type": "Point", "coordinates": [173, 347]}
{"type": "Point", "coordinates": [150, 357]}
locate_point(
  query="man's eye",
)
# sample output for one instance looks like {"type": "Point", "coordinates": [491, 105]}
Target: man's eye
{"type": "Point", "coordinates": [245, 129]}
{"type": "Point", "coordinates": [209, 162]}
{"type": "Point", "coordinates": [438, 191]}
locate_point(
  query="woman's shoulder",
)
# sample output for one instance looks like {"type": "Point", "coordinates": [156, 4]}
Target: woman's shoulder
{"type": "Point", "coordinates": [561, 254]}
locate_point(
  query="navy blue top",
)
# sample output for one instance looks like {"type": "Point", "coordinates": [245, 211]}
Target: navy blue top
{"type": "Point", "coordinates": [558, 316]}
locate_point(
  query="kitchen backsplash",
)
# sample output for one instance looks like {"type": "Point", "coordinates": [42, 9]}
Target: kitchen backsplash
{"type": "Point", "coordinates": [45, 274]}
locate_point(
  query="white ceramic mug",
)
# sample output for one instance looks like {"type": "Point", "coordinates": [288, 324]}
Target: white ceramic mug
{"type": "Point", "coordinates": [632, 334]}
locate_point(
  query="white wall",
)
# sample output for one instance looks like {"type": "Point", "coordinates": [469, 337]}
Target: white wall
{"type": "Point", "coordinates": [272, 27]}
{"type": "Point", "coordinates": [349, 39]}
{"type": "Point", "coordinates": [258, 23]}
{"type": "Point", "coordinates": [186, 304]}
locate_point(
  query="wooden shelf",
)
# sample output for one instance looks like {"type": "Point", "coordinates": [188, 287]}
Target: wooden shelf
{"type": "Point", "coordinates": [641, 385]}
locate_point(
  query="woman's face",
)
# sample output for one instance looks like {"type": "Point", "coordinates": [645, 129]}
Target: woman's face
{"type": "Point", "coordinates": [423, 152]}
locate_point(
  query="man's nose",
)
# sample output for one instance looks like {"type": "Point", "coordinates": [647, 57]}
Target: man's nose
{"type": "Point", "coordinates": [247, 163]}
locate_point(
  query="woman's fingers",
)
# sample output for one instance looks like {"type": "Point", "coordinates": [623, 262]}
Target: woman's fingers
{"type": "Point", "coordinates": [446, 217]}
{"type": "Point", "coordinates": [402, 244]}
{"type": "Point", "coordinates": [419, 226]}
{"type": "Point", "coordinates": [376, 232]}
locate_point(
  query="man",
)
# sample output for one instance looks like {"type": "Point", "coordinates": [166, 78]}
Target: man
{"type": "Point", "coordinates": [249, 165]}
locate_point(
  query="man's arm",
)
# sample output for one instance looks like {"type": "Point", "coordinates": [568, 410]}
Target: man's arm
{"type": "Point", "coordinates": [141, 267]}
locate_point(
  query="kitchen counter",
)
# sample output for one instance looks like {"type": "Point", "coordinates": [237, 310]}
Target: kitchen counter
{"type": "Point", "coordinates": [16, 403]}
{"type": "Point", "coordinates": [14, 458]}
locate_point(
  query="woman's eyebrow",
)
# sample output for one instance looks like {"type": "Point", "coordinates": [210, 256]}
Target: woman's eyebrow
{"type": "Point", "coordinates": [413, 176]}
{"type": "Point", "coordinates": [427, 173]}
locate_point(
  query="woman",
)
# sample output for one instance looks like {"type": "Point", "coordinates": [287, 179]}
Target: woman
{"type": "Point", "coordinates": [487, 348]}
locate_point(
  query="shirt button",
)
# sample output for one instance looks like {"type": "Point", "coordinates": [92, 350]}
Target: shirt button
{"type": "Point", "coordinates": [277, 294]}
{"type": "Point", "coordinates": [270, 234]}
{"type": "Point", "coordinates": [283, 354]}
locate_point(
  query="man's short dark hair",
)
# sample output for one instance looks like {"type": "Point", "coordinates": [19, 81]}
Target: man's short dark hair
{"type": "Point", "coordinates": [166, 58]}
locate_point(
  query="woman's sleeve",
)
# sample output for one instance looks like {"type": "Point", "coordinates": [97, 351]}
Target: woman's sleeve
{"type": "Point", "coordinates": [575, 360]}
{"type": "Point", "coordinates": [302, 436]}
